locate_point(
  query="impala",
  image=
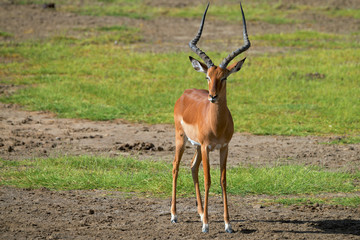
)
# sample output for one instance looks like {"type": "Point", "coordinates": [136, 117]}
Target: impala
{"type": "Point", "coordinates": [203, 118]}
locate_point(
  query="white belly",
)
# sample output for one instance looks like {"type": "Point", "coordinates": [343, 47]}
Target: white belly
{"type": "Point", "coordinates": [193, 142]}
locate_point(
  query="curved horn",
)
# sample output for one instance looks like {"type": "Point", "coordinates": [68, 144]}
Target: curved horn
{"type": "Point", "coordinates": [192, 43]}
{"type": "Point", "coordinates": [245, 47]}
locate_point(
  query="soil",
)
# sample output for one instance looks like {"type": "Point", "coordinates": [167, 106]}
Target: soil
{"type": "Point", "coordinates": [46, 214]}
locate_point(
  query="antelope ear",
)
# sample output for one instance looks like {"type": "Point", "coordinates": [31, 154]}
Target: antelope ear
{"type": "Point", "coordinates": [236, 66]}
{"type": "Point", "coordinates": [198, 66]}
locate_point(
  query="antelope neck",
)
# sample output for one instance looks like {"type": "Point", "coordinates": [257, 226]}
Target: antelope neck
{"type": "Point", "coordinates": [218, 114]}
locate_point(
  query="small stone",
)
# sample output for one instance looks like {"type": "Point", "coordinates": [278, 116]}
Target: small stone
{"type": "Point", "coordinates": [258, 206]}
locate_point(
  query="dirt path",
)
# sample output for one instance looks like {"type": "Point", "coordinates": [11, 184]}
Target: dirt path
{"type": "Point", "coordinates": [44, 214]}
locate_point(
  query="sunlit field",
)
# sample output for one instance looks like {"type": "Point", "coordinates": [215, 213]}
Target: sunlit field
{"type": "Point", "coordinates": [302, 82]}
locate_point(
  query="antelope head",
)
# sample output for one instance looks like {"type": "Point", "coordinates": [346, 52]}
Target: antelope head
{"type": "Point", "coordinates": [217, 75]}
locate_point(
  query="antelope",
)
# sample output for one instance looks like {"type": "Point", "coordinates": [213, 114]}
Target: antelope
{"type": "Point", "coordinates": [203, 118]}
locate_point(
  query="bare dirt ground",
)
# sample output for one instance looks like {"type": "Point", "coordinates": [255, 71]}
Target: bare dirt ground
{"type": "Point", "coordinates": [45, 214]}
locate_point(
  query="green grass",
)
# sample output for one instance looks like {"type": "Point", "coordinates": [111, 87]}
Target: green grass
{"type": "Point", "coordinates": [306, 92]}
{"type": "Point", "coordinates": [136, 9]}
{"type": "Point", "coordinates": [131, 9]}
{"type": "Point", "coordinates": [255, 10]}
{"type": "Point", "coordinates": [335, 12]}
{"type": "Point", "coordinates": [259, 11]}
{"type": "Point", "coordinates": [347, 201]}
{"type": "Point", "coordinates": [348, 12]}
{"type": "Point", "coordinates": [155, 178]}
{"type": "Point", "coordinates": [103, 35]}
{"type": "Point", "coordinates": [352, 201]}
{"type": "Point", "coordinates": [307, 39]}
{"type": "Point", "coordinates": [5, 34]}
{"type": "Point", "coordinates": [345, 140]}
{"type": "Point", "coordinates": [273, 12]}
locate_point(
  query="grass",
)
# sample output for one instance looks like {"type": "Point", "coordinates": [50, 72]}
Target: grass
{"type": "Point", "coordinates": [131, 9]}
{"type": "Point", "coordinates": [122, 34]}
{"type": "Point", "coordinates": [345, 140]}
{"type": "Point", "coordinates": [5, 34]}
{"type": "Point", "coordinates": [259, 11]}
{"type": "Point", "coordinates": [307, 39]}
{"type": "Point", "coordinates": [110, 34]}
{"type": "Point", "coordinates": [306, 92]}
{"type": "Point", "coordinates": [334, 12]}
{"type": "Point", "coordinates": [155, 178]}
{"type": "Point", "coordinates": [273, 12]}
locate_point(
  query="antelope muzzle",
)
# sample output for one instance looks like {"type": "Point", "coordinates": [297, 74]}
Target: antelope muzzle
{"type": "Point", "coordinates": [213, 98]}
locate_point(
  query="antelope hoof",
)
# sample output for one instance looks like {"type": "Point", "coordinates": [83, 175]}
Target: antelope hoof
{"type": "Point", "coordinates": [174, 218]}
{"type": "Point", "coordinates": [205, 228]}
{"type": "Point", "coordinates": [228, 228]}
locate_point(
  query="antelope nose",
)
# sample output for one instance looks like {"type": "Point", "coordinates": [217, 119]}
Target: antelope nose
{"type": "Point", "coordinates": [212, 98]}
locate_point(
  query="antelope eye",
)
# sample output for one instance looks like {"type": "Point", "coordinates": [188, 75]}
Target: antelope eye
{"type": "Point", "coordinates": [207, 78]}
{"type": "Point", "coordinates": [224, 79]}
